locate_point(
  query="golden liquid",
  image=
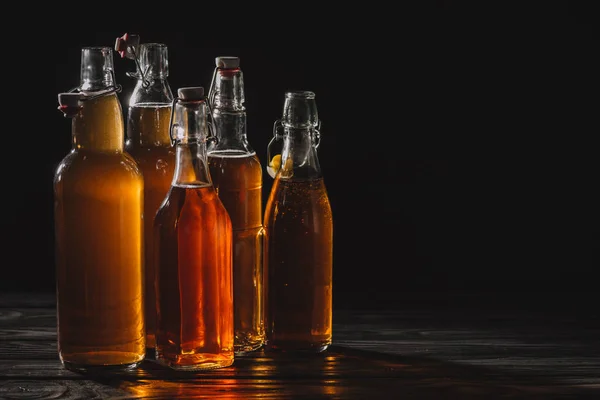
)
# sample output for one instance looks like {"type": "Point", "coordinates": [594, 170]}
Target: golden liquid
{"type": "Point", "coordinates": [298, 266]}
{"type": "Point", "coordinates": [238, 181]}
{"type": "Point", "coordinates": [194, 285]}
{"type": "Point", "coordinates": [149, 144]}
{"type": "Point", "coordinates": [98, 193]}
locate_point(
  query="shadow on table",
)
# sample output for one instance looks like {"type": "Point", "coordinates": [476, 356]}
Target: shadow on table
{"type": "Point", "coordinates": [339, 373]}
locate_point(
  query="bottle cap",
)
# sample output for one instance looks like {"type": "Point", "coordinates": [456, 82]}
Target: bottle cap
{"type": "Point", "coordinates": [125, 43]}
{"type": "Point", "coordinates": [227, 62]}
{"type": "Point", "coordinates": [192, 93]}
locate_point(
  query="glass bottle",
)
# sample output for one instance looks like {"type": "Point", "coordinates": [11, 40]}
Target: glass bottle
{"type": "Point", "coordinates": [298, 236]}
{"type": "Point", "coordinates": [236, 173]}
{"type": "Point", "coordinates": [149, 143]}
{"type": "Point", "coordinates": [98, 206]}
{"type": "Point", "coordinates": [193, 254]}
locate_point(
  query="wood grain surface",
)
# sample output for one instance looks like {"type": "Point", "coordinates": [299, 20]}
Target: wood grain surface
{"type": "Point", "coordinates": [408, 353]}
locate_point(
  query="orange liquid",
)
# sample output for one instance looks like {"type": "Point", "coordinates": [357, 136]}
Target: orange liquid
{"type": "Point", "coordinates": [98, 193]}
{"type": "Point", "coordinates": [149, 144]}
{"type": "Point", "coordinates": [238, 181]}
{"type": "Point", "coordinates": [194, 280]}
{"type": "Point", "coordinates": [299, 261]}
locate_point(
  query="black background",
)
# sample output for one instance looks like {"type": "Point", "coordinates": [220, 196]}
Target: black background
{"type": "Point", "coordinates": [456, 142]}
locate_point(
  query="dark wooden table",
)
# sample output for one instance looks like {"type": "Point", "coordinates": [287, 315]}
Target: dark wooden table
{"type": "Point", "coordinates": [441, 352]}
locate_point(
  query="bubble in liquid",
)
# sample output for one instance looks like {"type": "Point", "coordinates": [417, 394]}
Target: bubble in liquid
{"type": "Point", "coordinates": [161, 166]}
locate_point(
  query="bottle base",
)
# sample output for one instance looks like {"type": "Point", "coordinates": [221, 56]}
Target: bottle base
{"type": "Point", "coordinates": [101, 361]}
{"type": "Point", "coordinates": [244, 347]}
{"type": "Point", "coordinates": [297, 347]}
{"type": "Point", "coordinates": [194, 362]}
{"type": "Point", "coordinates": [100, 369]}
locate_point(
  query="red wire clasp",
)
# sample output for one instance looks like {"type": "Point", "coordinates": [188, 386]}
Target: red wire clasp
{"type": "Point", "coordinates": [126, 46]}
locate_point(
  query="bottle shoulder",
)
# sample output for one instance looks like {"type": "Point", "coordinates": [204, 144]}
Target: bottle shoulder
{"type": "Point", "coordinates": [235, 170]}
{"type": "Point", "coordinates": [156, 163]}
{"type": "Point", "coordinates": [231, 148]}
{"type": "Point", "coordinates": [151, 153]}
{"type": "Point", "coordinates": [235, 156]}
{"type": "Point", "coordinates": [158, 92]}
{"type": "Point", "coordinates": [298, 203]}
{"type": "Point", "coordinates": [129, 163]}
{"type": "Point", "coordinates": [300, 192]}
{"type": "Point", "coordinates": [185, 202]}
{"type": "Point", "coordinates": [87, 164]}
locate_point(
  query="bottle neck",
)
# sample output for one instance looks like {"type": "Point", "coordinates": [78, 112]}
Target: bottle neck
{"type": "Point", "coordinates": [151, 100]}
{"type": "Point", "coordinates": [190, 132]}
{"type": "Point", "coordinates": [154, 60]}
{"type": "Point", "coordinates": [151, 75]}
{"type": "Point", "coordinates": [191, 168]}
{"type": "Point", "coordinates": [152, 89]}
{"type": "Point", "coordinates": [97, 72]}
{"type": "Point", "coordinates": [230, 130]}
{"type": "Point", "coordinates": [300, 124]}
{"type": "Point", "coordinates": [99, 125]}
{"type": "Point", "coordinates": [228, 111]}
{"type": "Point", "coordinates": [150, 113]}
{"type": "Point", "coordinates": [299, 159]}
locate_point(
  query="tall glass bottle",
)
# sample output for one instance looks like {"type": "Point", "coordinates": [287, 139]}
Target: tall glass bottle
{"type": "Point", "coordinates": [149, 143]}
{"type": "Point", "coordinates": [298, 236]}
{"type": "Point", "coordinates": [193, 253]}
{"type": "Point", "coordinates": [236, 173]}
{"type": "Point", "coordinates": [98, 205]}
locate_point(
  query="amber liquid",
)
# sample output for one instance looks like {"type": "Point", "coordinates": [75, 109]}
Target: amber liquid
{"type": "Point", "coordinates": [98, 193]}
{"type": "Point", "coordinates": [150, 145]}
{"type": "Point", "coordinates": [237, 178]}
{"type": "Point", "coordinates": [299, 261]}
{"type": "Point", "coordinates": [194, 282]}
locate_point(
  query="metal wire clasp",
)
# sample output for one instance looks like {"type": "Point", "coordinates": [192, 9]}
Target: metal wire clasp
{"type": "Point", "coordinates": [277, 138]}
{"type": "Point", "coordinates": [171, 136]}
{"type": "Point", "coordinates": [211, 91]}
{"type": "Point", "coordinates": [69, 103]}
{"type": "Point", "coordinates": [278, 126]}
{"type": "Point", "coordinates": [276, 141]}
{"type": "Point", "coordinates": [126, 46]}
{"type": "Point", "coordinates": [72, 100]}
{"type": "Point", "coordinates": [211, 137]}
{"type": "Point", "coordinates": [317, 132]}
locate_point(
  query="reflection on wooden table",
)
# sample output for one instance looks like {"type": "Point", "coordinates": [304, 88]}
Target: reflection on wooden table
{"type": "Point", "coordinates": [388, 355]}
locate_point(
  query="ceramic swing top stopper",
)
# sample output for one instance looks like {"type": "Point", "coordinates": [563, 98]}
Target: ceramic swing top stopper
{"type": "Point", "coordinates": [227, 62]}
{"type": "Point", "coordinates": [192, 93]}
